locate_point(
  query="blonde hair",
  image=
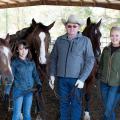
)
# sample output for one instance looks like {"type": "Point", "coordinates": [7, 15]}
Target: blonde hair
{"type": "Point", "coordinates": [115, 28]}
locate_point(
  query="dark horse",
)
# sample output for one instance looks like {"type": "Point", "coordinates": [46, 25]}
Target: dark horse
{"type": "Point", "coordinates": [92, 31]}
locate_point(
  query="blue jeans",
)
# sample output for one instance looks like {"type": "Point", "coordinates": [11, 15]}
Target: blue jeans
{"type": "Point", "coordinates": [110, 98]}
{"type": "Point", "coordinates": [20, 102]}
{"type": "Point", "coordinates": [70, 107]}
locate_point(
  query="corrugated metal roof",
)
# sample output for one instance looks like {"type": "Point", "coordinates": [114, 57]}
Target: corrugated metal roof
{"type": "Point", "coordinates": [113, 4]}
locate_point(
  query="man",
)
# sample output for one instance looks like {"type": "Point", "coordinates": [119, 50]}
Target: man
{"type": "Point", "coordinates": [71, 61]}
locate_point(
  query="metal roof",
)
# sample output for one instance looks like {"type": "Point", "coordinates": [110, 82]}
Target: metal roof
{"type": "Point", "coordinates": [113, 4]}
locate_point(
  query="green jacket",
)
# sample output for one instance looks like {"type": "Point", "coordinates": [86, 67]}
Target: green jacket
{"type": "Point", "coordinates": [109, 68]}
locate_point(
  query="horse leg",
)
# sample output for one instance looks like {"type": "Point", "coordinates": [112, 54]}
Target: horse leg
{"type": "Point", "coordinates": [88, 87]}
{"type": "Point", "coordinates": [87, 107]}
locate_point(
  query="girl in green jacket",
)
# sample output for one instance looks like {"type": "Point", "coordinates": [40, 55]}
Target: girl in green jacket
{"type": "Point", "coordinates": [109, 74]}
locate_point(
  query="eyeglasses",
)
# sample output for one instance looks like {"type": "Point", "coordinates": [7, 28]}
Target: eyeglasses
{"type": "Point", "coordinates": [72, 26]}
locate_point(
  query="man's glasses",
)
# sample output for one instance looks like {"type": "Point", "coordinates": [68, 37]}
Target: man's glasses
{"type": "Point", "coordinates": [72, 26]}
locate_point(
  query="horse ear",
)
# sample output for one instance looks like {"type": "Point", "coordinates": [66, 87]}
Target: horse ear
{"type": "Point", "coordinates": [7, 39]}
{"type": "Point", "coordinates": [88, 21]}
{"type": "Point", "coordinates": [50, 26]}
{"type": "Point", "coordinates": [98, 24]}
{"type": "Point", "coordinates": [33, 22]}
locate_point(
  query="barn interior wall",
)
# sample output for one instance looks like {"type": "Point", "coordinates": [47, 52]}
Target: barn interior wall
{"type": "Point", "coordinates": [14, 19]}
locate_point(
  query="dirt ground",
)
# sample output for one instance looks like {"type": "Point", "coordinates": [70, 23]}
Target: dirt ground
{"type": "Point", "coordinates": [95, 105]}
{"type": "Point", "coordinates": [52, 106]}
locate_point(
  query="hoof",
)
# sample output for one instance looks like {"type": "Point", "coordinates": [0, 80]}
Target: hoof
{"type": "Point", "coordinates": [86, 116]}
{"type": "Point", "coordinates": [38, 117]}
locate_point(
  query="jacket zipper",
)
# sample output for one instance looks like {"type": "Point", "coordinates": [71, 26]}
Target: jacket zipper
{"type": "Point", "coordinates": [72, 46]}
{"type": "Point", "coordinates": [66, 60]}
{"type": "Point", "coordinates": [109, 68]}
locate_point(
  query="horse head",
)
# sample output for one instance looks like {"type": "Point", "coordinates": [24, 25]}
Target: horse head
{"type": "Point", "coordinates": [39, 41]}
{"type": "Point", "coordinates": [5, 58]}
{"type": "Point", "coordinates": [92, 31]}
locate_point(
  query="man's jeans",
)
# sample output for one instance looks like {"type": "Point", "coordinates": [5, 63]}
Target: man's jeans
{"type": "Point", "coordinates": [110, 98]}
{"type": "Point", "coordinates": [24, 101]}
{"type": "Point", "coordinates": [70, 107]}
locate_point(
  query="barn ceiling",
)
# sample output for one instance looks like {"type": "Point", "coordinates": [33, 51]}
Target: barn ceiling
{"type": "Point", "coordinates": [113, 4]}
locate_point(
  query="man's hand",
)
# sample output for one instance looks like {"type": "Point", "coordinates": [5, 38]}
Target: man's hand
{"type": "Point", "coordinates": [51, 82]}
{"type": "Point", "coordinates": [79, 84]}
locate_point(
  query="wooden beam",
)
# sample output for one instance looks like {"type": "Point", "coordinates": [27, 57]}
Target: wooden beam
{"type": "Point", "coordinates": [15, 1]}
{"type": "Point", "coordinates": [4, 2]}
{"type": "Point", "coordinates": [62, 3]}
{"type": "Point", "coordinates": [108, 1]}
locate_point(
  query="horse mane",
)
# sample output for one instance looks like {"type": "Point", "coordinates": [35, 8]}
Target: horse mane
{"type": "Point", "coordinates": [22, 34]}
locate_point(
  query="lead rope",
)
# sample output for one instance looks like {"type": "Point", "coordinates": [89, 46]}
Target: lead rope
{"type": "Point", "coordinates": [67, 96]}
{"type": "Point", "coordinates": [72, 93]}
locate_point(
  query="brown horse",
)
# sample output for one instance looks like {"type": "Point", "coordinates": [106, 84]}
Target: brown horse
{"type": "Point", "coordinates": [5, 58]}
{"type": "Point", "coordinates": [6, 76]}
{"type": "Point", "coordinates": [92, 31]}
{"type": "Point", "coordinates": [39, 41]}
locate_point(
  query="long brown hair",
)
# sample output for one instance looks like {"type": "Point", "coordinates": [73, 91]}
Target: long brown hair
{"type": "Point", "coordinates": [26, 45]}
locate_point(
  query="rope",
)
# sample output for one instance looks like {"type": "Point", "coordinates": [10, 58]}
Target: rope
{"type": "Point", "coordinates": [72, 93]}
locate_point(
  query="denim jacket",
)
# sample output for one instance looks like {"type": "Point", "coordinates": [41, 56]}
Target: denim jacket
{"type": "Point", "coordinates": [25, 74]}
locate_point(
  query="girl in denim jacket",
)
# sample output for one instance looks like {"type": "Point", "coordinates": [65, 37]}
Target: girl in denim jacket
{"type": "Point", "coordinates": [25, 77]}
